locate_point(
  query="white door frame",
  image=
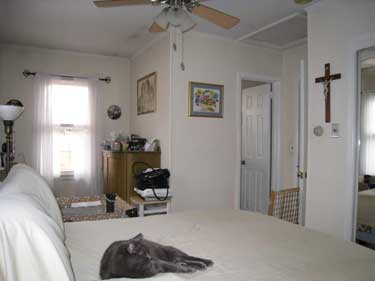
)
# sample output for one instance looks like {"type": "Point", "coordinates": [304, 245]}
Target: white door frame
{"type": "Point", "coordinates": [302, 139]}
{"type": "Point", "coordinates": [365, 42]}
{"type": "Point", "coordinates": [275, 96]}
{"type": "Point", "coordinates": [357, 132]}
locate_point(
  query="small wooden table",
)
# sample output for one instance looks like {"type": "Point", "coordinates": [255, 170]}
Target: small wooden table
{"type": "Point", "coordinates": [151, 207]}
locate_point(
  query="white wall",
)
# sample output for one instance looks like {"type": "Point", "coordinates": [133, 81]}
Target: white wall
{"type": "Point", "coordinates": [289, 113]}
{"type": "Point", "coordinates": [336, 29]}
{"type": "Point", "coordinates": [153, 125]}
{"type": "Point", "coordinates": [204, 149]}
{"type": "Point", "coordinates": [15, 59]}
{"type": "Point", "coordinates": [203, 158]}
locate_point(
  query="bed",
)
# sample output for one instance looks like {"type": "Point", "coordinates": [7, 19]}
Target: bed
{"type": "Point", "coordinates": [243, 245]}
{"type": "Point", "coordinates": [366, 216]}
{"type": "Point", "coordinates": [366, 207]}
{"type": "Point", "coordinates": [35, 245]}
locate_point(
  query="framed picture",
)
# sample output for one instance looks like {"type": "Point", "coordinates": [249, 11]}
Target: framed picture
{"type": "Point", "coordinates": [114, 112]}
{"type": "Point", "coordinates": [206, 100]}
{"type": "Point", "coordinates": [146, 94]}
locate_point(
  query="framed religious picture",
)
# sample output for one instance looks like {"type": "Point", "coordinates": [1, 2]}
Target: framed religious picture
{"type": "Point", "coordinates": [206, 100]}
{"type": "Point", "coordinates": [146, 94]}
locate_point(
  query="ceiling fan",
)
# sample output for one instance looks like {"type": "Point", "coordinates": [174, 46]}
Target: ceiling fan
{"type": "Point", "coordinates": [177, 13]}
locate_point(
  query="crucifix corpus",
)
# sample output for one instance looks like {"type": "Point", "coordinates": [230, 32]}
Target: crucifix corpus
{"type": "Point", "coordinates": [326, 80]}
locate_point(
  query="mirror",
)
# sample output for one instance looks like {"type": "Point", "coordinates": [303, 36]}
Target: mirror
{"type": "Point", "coordinates": [365, 227]}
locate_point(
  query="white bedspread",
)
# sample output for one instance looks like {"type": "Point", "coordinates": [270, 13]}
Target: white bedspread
{"type": "Point", "coordinates": [366, 207]}
{"type": "Point", "coordinates": [244, 246]}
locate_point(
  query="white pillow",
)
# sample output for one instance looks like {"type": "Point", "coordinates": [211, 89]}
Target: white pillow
{"type": "Point", "coordinates": [24, 179]}
{"type": "Point", "coordinates": [31, 244]}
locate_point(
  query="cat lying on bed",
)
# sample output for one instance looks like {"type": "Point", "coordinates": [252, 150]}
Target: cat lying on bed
{"type": "Point", "coordinates": [141, 258]}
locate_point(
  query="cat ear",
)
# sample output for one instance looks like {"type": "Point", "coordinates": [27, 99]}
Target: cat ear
{"type": "Point", "coordinates": [131, 248]}
{"type": "Point", "coordinates": [138, 237]}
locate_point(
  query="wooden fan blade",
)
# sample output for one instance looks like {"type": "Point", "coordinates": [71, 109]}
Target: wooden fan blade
{"type": "Point", "coordinates": [117, 3]}
{"type": "Point", "coordinates": [217, 17]}
{"type": "Point", "coordinates": [155, 28]}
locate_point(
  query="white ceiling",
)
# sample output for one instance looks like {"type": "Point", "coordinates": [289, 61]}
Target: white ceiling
{"type": "Point", "coordinates": [77, 25]}
{"type": "Point", "coordinates": [285, 33]}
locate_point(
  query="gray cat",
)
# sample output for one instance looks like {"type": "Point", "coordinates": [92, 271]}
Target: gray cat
{"type": "Point", "coordinates": [141, 258]}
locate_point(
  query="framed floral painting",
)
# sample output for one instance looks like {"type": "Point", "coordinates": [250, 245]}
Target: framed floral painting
{"type": "Point", "coordinates": [206, 100]}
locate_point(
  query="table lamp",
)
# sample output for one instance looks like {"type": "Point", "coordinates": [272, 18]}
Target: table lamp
{"type": "Point", "coordinates": [9, 113]}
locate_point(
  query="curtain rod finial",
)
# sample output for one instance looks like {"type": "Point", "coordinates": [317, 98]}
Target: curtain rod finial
{"type": "Point", "coordinates": [26, 72]}
{"type": "Point", "coordinates": [106, 79]}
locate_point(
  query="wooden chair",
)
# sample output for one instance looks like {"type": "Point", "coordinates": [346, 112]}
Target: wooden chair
{"type": "Point", "coordinates": [284, 204]}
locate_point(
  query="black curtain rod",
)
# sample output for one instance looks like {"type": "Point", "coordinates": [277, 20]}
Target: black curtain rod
{"type": "Point", "coordinates": [28, 73]}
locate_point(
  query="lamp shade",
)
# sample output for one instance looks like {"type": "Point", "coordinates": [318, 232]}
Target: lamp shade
{"type": "Point", "coordinates": [162, 20]}
{"type": "Point", "coordinates": [176, 17]}
{"type": "Point", "coordinates": [10, 112]}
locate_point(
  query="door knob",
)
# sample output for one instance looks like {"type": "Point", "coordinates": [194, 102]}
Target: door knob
{"type": "Point", "coordinates": [243, 162]}
{"type": "Point", "coordinates": [301, 175]}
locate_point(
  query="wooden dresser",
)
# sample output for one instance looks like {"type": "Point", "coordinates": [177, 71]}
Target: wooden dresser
{"type": "Point", "coordinates": [118, 170]}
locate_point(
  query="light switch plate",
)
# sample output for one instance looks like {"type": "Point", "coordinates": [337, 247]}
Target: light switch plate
{"type": "Point", "coordinates": [335, 130]}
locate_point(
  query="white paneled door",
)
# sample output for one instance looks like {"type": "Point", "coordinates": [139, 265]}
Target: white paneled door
{"type": "Point", "coordinates": [256, 148]}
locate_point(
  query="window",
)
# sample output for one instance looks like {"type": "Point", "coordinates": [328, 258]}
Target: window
{"type": "Point", "coordinates": [71, 127]}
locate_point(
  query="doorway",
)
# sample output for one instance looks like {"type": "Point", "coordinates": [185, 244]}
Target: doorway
{"type": "Point", "coordinates": [255, 186]}
{"type": "Point", "coordinates": [256, 151]}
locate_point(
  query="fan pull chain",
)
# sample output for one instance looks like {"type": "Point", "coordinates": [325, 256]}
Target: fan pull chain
{"type": "Point", "coordinates": [182, 65]}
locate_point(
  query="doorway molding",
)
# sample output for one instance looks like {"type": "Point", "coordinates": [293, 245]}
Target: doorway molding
{"type": "Point", "coordinates": [276, 130]}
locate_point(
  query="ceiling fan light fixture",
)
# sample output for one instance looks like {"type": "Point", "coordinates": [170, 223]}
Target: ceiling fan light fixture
{"type": "Point", "coordinates": [177, 14]}
{"type": "Point", "coordinates": [176, 17]}
{"type": "Point", "coordinates": [185, 21]}
{"type": "Point", "coordinates": [162, 19]}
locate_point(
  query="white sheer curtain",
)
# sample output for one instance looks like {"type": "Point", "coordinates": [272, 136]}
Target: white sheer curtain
{"type": "Point", "coordinates": [60, 101]}
{"type": "Point", "coordinates": [96, 137]}
{"type": "Point", "coordinates": [42, 127]}
{"type": "Point", "coordinates": [367, 146]}
{"type": "Point", "coordinates": [86, 151]}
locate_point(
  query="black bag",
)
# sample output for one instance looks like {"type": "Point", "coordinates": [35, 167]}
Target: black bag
{"type": "Point", "coordinates": [155, 179]}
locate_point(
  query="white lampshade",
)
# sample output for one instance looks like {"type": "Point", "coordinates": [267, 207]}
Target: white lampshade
{"type": "Point", "coordinates": [162, 20]}
{"type": "Point", "coordinates": [10, 112]}
{"type": "Point", "coordinates": [176, 17]}
{"type": "Point", "coordinates": [181, 19]}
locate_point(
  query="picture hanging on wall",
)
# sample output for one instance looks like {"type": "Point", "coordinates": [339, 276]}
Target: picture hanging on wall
{"type": "Point", "coordinates": [146, 94]}
{"type": "Point", "coordinates": [114, 112]}
{"type": "Point", "coordinates": [206, 100]}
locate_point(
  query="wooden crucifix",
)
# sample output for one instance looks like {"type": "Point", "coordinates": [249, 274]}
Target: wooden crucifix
{"type": "Point", "coordinates": [326, 80]}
